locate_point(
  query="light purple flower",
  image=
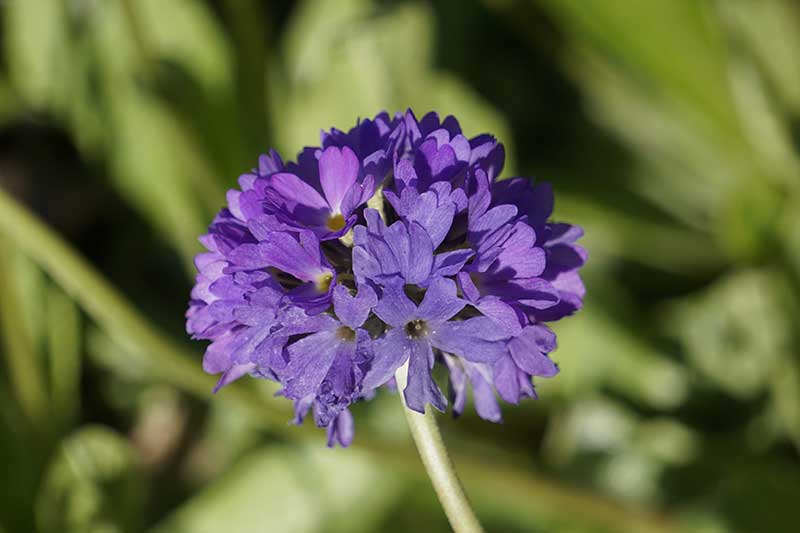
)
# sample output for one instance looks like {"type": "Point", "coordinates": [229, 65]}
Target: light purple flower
{"type": "Point", "coordinates": [417, 330]}
{"type": "Point", "coordinates": [296, 254]}
{"type": "Point", "coordinates": [325, 368]}
{"type": "Point", "coordinates": [328, 207]}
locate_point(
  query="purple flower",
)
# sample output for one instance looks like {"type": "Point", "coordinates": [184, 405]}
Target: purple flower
{"type": "Point", "coordinates": [327, 207]}
{"type": "Point", "coordinates": [434, 209]}
{"type": "Point", "coordinates": [371, 140]}
{"type": "Point", "coordinates": [295, 254]}
{"type": "Point", "coordinates": [479, 375]}
{"type": "Point", "coordinates": [564, 257]}
{"type": "Point", "coordinates": [505, 279]}
{"type": "Point", "coordinates": [402, 251]}
{"type": "Point", "coordinates": [325, 369]}
{"type": "Point", "coordinates": [303, 285]}
{"type": "Point", "coordinates": [416, 330]}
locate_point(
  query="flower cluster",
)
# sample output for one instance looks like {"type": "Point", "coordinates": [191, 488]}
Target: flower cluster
{"type": "Point", "coordinates": [392, 243]}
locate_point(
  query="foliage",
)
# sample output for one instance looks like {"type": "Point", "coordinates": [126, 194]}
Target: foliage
{"type": "Point", "coordinates": [669, 129]}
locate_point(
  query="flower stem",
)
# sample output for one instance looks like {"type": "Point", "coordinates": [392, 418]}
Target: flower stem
{"type": "Point", "coordinates": [438, 464]}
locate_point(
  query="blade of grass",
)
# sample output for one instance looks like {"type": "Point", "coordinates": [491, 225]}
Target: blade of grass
{"type": "Point", "coordinates": [166, 359]}
{"type": "Point", "coordinates": [26, 379]}
{"type": "Point", "coordinates": [64, 351]}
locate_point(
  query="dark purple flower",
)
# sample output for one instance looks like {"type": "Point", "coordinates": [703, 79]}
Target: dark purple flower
{"type": "Point", "coordinates": [430, 151]}
{"type": "Point", "coordinates": [433, 209]}
{"type": "Point", "coordinates": [371, 140]}
{"type": "Point", "coordinates": [564, 258]}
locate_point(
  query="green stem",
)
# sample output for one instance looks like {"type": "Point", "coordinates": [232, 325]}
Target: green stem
{"type": "Point", "coordinates": [437, 463]}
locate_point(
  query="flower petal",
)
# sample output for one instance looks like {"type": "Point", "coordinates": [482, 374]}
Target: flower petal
{"type": "Point", "coordinates": [529, 351]}
{"type": "Point", "coordinates": [476, 339]}
{"type": "Point", "coordinates": [421, 388]}
{"type": "Point", "coordinates": [394, 307]}
{"type": "Point", "coordinates": [310, 358]}
{"type": "Point", "coordinates": [293, 191]}
{"type": "Point", "coordinates": [391, 352]}
{"type": "Point", "coordinates": [353, 311]}
{"type": "Point", "coordinates": [338, 172]}
{"type": "Point", "coordinates": [440, 301]}
{"type": "Point", "coordinates": [341, 430]}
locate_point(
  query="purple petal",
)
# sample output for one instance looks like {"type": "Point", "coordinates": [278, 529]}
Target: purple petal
{"type": "Point", "coordinates": [269, 164]}
{"type": "Point", "coordinates": [421, 388]}
{"type": "Point", "coordinates": [411, 250]}
{"type": "Point", "coordinates": [457, 383]}
{"type": "Point", "coordinates": [435, 218]}
{"type": "Point", "coordinates": [483, 393]}
{"type": "Point", "coordinates": [529, 348]}
{"type": "Point", "coordinates": [502, 314]}
{"type": "Point", "coordinates": [563, 234]}
{"type": "Point", "coordinates": [353, 311]}
{"type": "Point", "coordinates": [341, 430]}
{"type": "Point", "coordinates": [358, 194]}
{"type": "Point", "coordinates": [390, 352]}
{"type": "Point", "coordinates": [310, 358]}
{"type": "Point", "coordinates": [338, 172]}
{"type": "Point", "coordinates": [300, 258]}
{"type": "Point", "coordinates": [440, 301]}
{"type": "Point", "coordinates": [520, 254]}
{"type": "Point", "coordinates": [468, 287]}
{"type": "Point", "coordinates": [394, 307]}
{"type": "Point", "coordinates": [232, 374]}
{"type": "Point", "coordinates": [491, 221]}
{"type": "Point", "coordinates": [535, 292]}
{"type": "Point", "coordinates": [476, 339]}
{"type": "Point", "coordinates": [506, 379]}
{"type": "Point", "coordinates": [450, 263]}
{"type": "Point", "coordinates": [404, 173]}
{"type": "Point", "coordinates": [294, 191]}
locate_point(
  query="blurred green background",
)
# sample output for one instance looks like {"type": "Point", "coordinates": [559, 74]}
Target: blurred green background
{"type": "Point", "coordinates": [669, 128]}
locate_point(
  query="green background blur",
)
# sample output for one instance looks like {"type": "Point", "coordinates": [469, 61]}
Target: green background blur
{"type": "Point", "coordinates": [669, 128]}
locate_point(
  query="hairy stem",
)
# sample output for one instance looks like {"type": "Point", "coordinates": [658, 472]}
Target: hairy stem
{"type": "Point", "coordinates": [437, 463]}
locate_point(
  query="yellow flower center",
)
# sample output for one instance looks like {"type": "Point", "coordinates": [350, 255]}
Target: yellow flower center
{"type": "Point", "coordinates": [335, 222]}
{"type": "Point", "coordinates": [323, 282]}
{"type": "Point", "coordinates": [346, 334]}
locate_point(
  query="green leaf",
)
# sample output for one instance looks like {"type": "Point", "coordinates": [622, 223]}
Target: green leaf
{"type": "Point", "coordinates": [771, 28]}
{"type": "Point", "coordinates": [300, 489]}
{"type": "Point", "coordinates": [365, 62]}
{"type": "Point", "coordinates": [91, 485]}
{"type": "Point", "coordinates": [164, 359]}
{"type": "Point", "coordinates": [22, 360]}
{"type": "Point", "coordinates": [734, 332]}
{"type": "Point", "coordinates": [64, 351]}
{"type": "Point", "coordinates": [594, 351]}
{"type": "Point", "coordinates": [34, 37]}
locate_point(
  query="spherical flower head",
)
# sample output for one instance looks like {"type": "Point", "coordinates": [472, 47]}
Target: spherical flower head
{"type": "Point", "coordinates": [305, 285]}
